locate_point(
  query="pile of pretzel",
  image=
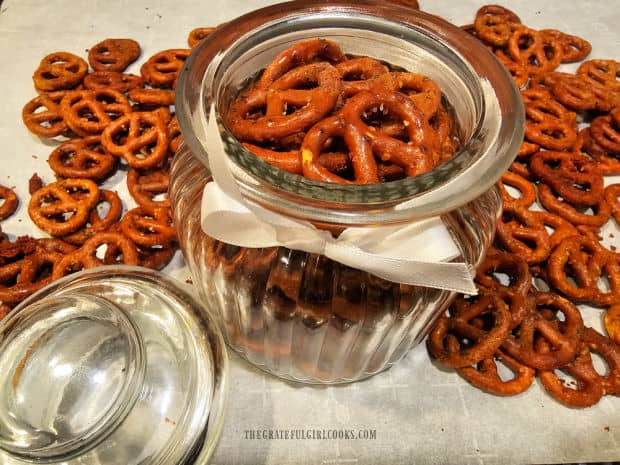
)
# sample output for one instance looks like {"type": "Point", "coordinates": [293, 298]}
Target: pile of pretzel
{"type": "Point", "coordinates": [318, 113]}
{"type": "Point", "coordinates": [546, 261]}
{"type": "Point", "coordinates": [107, 121]}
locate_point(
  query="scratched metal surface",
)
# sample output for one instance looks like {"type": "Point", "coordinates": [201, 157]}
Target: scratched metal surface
{"type": "Point", "coordinates": [421, 414]}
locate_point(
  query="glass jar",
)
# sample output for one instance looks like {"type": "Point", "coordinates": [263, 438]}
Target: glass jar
{"type": "Point", "coordinates": [302, 316]}
{"type": "Point", "coordinates": [108, 366]}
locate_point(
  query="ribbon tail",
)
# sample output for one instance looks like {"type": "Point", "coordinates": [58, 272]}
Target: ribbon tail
{"type": "Point", "coordinates": [456, 277]}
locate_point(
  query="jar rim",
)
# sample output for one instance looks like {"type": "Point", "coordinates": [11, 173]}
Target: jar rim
{"type": "Point", "coordinates": [489, 149]}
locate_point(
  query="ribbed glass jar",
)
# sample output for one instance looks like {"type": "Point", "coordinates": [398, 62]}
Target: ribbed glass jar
{"type": "Point", "coordinates": [303, 316]}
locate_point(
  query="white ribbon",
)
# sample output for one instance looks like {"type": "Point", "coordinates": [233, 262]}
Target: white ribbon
{"type": "Point", "coordinates": [417, 253]}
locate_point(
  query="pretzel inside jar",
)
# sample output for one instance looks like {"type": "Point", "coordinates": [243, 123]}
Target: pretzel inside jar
{"type": "Point", "coordinates": [342, 119]}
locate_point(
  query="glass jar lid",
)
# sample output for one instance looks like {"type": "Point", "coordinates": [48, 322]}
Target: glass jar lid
{"type": "Point", "coordinates": [111, 365]}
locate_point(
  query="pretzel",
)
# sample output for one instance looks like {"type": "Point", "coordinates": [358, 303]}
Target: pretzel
{"type": "Point", "coordinates": [561, 228]}
{"type": "Point", "coordinates": [601, 75]}
{"type": "Point", "coordinates": [580, 254]}
{"type": "Point", "coordinates": [59, 71]}
{"type": "Point", "coordinates": [494, 24]}
{"type": "Point", "coordinates": [539, 53]}
{"type": "Point", "coordinates": [356, 72]}
{"type": "Point", "coordinates": [519, 233]}
{"type": "Point", "coordinates": [62, 207]}
{"type": "Point", "coordinates": [444, 343]}
{"type": "Point", "coordinates": [571, 175]}
{"type": "Point", "coordinates": [587, 391]}
{"type": "Point", "coordinates": [573, 48]}
{"type": "Point", "coordinates": [606, 133]}
{"type": "Point", "coordinates": [601, 211]}
{"type": "Point", "coordinates": [42, 115]}
{"type": "Point", "coordinates": [517, 69]}
{"type": "Point", "coordinates": [525, 187]}
{"type": "Point", "coordinates": [612, 195]}
{"type": "Point", "coordinates": [564, 339]}
{"type": "Point", "coordinates": [484, 375]}
{"type": "Point", "coordinates": [145, 187]}
{"type": "Point", "coordinates": [605, 265]}
{"type": "Point", "coordinates": [114, 80]}
{"type": "Point", "coordinates": [300, 54]}
{"type": "Point", "coordinates": [87, 255]}
{"type": "Point", "coordinates": [174, 135]}
{"type": "Point", "coordinates": [548, 122]}
{"type": "Point", "coordinates": [512, 265]}
{"type": "Point", "coordinates": [612, 323]}
{"type": "Point", "coordinates": [82, 158]}
{"type": "Point", "coordinates": [22, 278]}
{"type": "Point", "coordinates": [261, 115]}
{"type": "Point", "coordinates": [162, 69]}
{"type": "Point", "coordinates": [88, 112]}
{"type": "Point", "coordinates": [572, 91]}
{"type": "Point", "coordinates": [146, 229]}
{"type": "Point", "coordinates": [152, 97]}
{"type": "Point", "coordinates": [198, 34]}
{"type": "Point", "coordinates": [156, 257]}
{"type": "Point", "coordinates": [96, 223]}
{"type": "Point", "coordinates": [113, 54]}
{"type": "Point", "coordinates": [416, 156]}
{"type": "Point", "coordinates": [606, 163]}
{"type": "Point", "coordinates": [8, 202]}
{"type": "Point", "coordinates": [140, 138]}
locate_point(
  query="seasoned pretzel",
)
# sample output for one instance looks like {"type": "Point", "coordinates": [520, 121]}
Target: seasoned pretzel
{"type": "Point", "coordinates": [587, 391]}
{"type": "Point", "coordinates": [113, 54]}
{"type": "Point", "coordinates": [573, 48]}
{"type": "Point", "coordinates": [8, 202]}
{"type": "Point", "coordinates": [82, 158]}
{"type": "Point", "coordinates": [174, 134]}
{"type": "Point", "coordinates": [148, 230]}
{"type": "Point", "coordinates": [162, 69]}
{"type": "Point", "coordinates": [601, 211]}
{"type": "Point", "coordinates": [612, 323]}
{"type": "Point", "coordinates": [156, 257]}
{"type": "Point", "coordinates": [146, 186]}
{"type": "Point", "coordinates": [140, 138]}
{"type": "Point", "coordinates": [357, 71]}
{"type": "Point", "coordinates": [548, 122]}
{"type": "Point", "coordinates": [517, 69]}
{"type": "Point", "coordinates": [561, 228]}
{"type": "Point", "coordinates": [88, 112]}
{"type": "Point", "coordinates": [110, 203]}
{"type": "Point", "coordinates": [262, 115]}
{"type": "Point", "coordinates": [447, 341]}
{"type": "Point", "coordinates": [484, 375]}
{"type": "Point", "coordinates": [87, 255]}
{"type": "Point", "coordinates": [22, 278]}
{"type": "Point", "coordinates": [571, 175]}
{"type": "Point", "coordinates": [607, 164]}
{"type": "Point", "coordinates": [59, 71]}
{"type": "Point", "coordinates": [198, 34]}
{"type": "Point", "coordinates": [612, 196]}
{"type": "Point", "coordinates": [418, 155]}
{"type": "Point", "coordinates": [300, 54]}
{"type": "Point", "coordinates": [564, 339]}
{"type": "Point", "coordinates": [575, 253]}
{"type": "Point", "coordinates": [494, 24]}
{"type": "Point", "coordinates": [520, 233]}
{"type": "Point", "coordinates": [606, 133]}
{"type": "Point", "coordinates": [539, 53]}
{"type": "Point", "coordinates": [572, 91]}
{"type": "Point", "coordinates": [42, 115]}
{"type": "Point", "coordinates": [602, 75]}
{"type": "Point", "coordinates": [512, 265]}
{"type": "Point", "coordinates": [610, 352]}
{"type": "Point", "coordinates": [120, 82]}
{"type": "Point", "coordinates": [62, 207]}
{"type": "Point", "coordinates": [152, 97]}
{"type": "Point", "coordinates": [525, 187]}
